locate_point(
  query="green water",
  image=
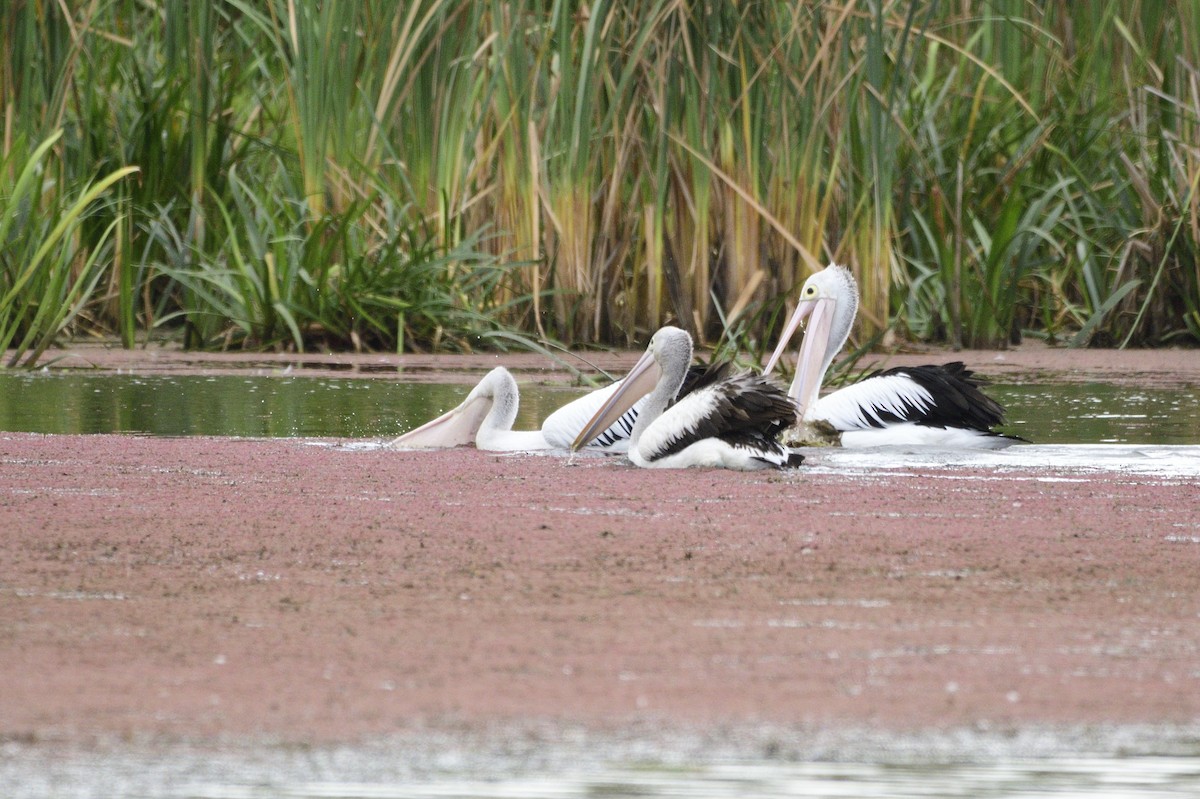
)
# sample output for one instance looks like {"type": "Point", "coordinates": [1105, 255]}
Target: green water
{"type": "Point", "coordinates": [235, 405]}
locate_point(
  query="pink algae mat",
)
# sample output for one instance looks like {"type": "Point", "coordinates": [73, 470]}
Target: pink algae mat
{"type": "Point", "coordinates": [310, 592]}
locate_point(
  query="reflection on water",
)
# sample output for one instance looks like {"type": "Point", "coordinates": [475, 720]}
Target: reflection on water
{"type": "Point", "coordinates": [232, 405]}
{"type": "Point", "coordinates": [1097, 413]}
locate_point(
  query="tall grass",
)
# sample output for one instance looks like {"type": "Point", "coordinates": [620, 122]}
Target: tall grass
{"type": "Point", "coordinates": [47, 272]}
{"type": "Point", "coordinates": [445, 173]}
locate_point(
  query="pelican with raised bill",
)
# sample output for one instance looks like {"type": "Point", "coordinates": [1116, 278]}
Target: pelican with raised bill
{"type": "Point", "coordinates": [934, 405]}
{"type": "Point", "coordinates": [730, 423]}
{"type": "Point", "coordinates": [485, 419]}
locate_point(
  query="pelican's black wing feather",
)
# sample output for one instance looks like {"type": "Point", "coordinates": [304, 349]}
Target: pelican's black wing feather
{"type": "Point", "coordinates": [958, 399]}
{"type": "Point", "coordinates": [743, 410]}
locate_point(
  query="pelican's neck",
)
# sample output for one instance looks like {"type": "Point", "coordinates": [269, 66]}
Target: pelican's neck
{"type": "Point", "coordinates": [496, 433]}
{"type": "Point", "coordinates": [673, 353]}
{"type": "Point", "coordinates": [843, 316]}
{"type": "Point", "coordinates": [506, 399]}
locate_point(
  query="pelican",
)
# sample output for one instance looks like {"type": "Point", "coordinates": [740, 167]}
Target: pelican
{"type": "Point", "coordinates": [922, 405]}
{"type": "Point", "coordinates": [730, 423]}
{"type": "Point", "coordinates": [485, 418]}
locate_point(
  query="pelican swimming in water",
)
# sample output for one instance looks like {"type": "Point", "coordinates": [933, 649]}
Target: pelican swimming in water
{"type": "Point", "coordinates": [923, 405]}
{"type": "Point", "coordinates": [485, 419]}
{"type": "Point", "coordinates": [729, 423]}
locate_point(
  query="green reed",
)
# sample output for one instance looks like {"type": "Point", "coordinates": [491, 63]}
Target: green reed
{"type": "Point", "coordinates": [445, 173]}
{"type": "Point", "coordinates": [47, 271]}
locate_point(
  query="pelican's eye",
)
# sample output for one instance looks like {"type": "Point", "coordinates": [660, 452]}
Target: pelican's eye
{"type": "Point", "coordinates": [810, 291]}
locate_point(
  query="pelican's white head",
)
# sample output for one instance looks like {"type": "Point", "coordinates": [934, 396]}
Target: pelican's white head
{"type": "Point", "coordinates": [659, 372]}
{"type": "Point", "coordinates": [830, 297]}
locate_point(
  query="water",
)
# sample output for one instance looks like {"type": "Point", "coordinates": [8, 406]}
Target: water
{"type": "Point", "coordinates": [1095, 778]}
{"type": "Point", "coordinates": [235, 405]}
{"type": "Point", "coordinates": [375, 773]}
{"type": "Point", "coordinates": [1098, 413]}
{"type": "Point", "coordinates": [1076, 426]}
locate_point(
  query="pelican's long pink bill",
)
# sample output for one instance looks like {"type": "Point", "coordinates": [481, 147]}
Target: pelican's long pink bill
{"type": "Point", "coordinates": [455, 428]}
{"type": "Point", "coordinates": [810, 363]}
{"type": "Point", "coordinates": [641, 381]}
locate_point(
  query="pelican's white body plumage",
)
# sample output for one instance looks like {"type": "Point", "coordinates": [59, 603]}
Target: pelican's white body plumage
{"type": "Point", "coordinates": [938, 405]}
{"type": "Point", "coordinates": [730, 424]}
{"type": "Point", "coordinates": [562, 426]}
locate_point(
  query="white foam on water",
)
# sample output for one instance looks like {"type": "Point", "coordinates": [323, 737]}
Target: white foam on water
{"type": "Point", "coordinates": [1054, 460]}
{"type": "Point", "coordinates": [1129, 762]}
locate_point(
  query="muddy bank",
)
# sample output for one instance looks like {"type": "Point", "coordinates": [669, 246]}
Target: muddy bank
{"type": "Point", "coordinates": [305, 592]}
